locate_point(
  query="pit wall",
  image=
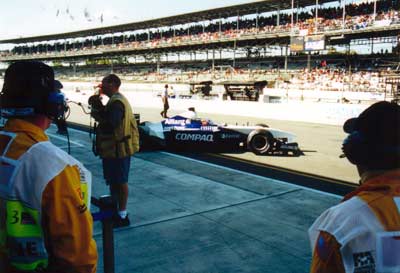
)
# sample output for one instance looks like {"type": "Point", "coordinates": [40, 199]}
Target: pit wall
{"type": "Point", "coordinates": [289, 107]}
{"type": "Point", "coordinates": [313, 107]}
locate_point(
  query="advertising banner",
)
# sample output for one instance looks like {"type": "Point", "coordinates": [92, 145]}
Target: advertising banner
{"type": "Point", "coordinates": [315, 42]}
{"type": "Point", "coordinates": [297, 44]}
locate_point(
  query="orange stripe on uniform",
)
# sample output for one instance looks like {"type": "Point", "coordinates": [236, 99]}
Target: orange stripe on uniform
{"type": "Point", "coordinates": [382, 203]}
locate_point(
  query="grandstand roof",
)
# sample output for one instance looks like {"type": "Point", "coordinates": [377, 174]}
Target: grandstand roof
{"type": "Point", "coordinates": [259, 6]}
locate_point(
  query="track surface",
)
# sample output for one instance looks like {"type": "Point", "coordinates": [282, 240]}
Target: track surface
{"type": "Point", "coordinates": [320, 143]}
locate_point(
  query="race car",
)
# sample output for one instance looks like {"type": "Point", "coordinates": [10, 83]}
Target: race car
{"type": "Point", "coordinates": [192, 134]}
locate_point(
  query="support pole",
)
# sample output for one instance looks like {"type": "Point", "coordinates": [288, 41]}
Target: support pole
{"type": "Point", "coordinates": [234, 54]}
{"type": "Point", "coordinates": [158, 64]}
{"type": "Point", "coordinates": [237, 22]}
{"type": "Point", "coordinates": [257, 28]}
{"type": "Point", "coordinates": [344, 15]}
{"type": "Point", "coordinates": [286, 57]}
{"type": "Point", "coordinates": [213, 63]}
{"type": "Point", "coordinates": [74, 67]}
{"type": "Point", "coordinates": [292, 17]}
{"type": "Point", "coordinates": [278, 17]}
{"type": "Point", "coordinates": [316, 16]}
{"type": "Point", "coordinates": [106, 203]}
{"type": "Point", "coordinates": [372, 45]}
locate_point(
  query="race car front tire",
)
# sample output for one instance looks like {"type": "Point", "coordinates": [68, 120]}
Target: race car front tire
{"type": "Point", "coordinates": [259, 142]}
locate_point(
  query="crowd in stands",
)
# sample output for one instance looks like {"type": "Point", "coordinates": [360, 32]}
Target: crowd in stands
{"type": "Point", "coordinates": [336, 80]}
{"type": "Point", "coordinates": [358, 16]}
{"type": "Point", "coordinates": [321, 77]}
{"type": "Point", "coordinates": [334, 77]}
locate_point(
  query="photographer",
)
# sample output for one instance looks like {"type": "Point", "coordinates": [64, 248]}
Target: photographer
{"type": "Point", "coordinates": [117, 139]}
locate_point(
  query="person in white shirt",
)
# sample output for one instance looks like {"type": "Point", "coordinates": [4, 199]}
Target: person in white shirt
{"type": "Point", "coordinates": [164, 97]}
{"type": "Point", "coordinates": [190, 113]}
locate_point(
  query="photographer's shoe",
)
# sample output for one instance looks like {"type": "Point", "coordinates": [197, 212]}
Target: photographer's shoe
{"type": "Point", "coordinates": [121, 222]}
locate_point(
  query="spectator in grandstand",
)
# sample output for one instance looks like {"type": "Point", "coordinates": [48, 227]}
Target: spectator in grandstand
{"type": "Point", "coordinates": [164, 98]}
{"type": "Point", "coordinates": [358, 16]}
{"type": "Point", "coordinates": [247, 92]}
{"type": "Point", "coordinates": [45, 223]}
{"type": "Point", "coordinates": [358, 234]}
{"type": "Point", "coordinates": [117, 139]}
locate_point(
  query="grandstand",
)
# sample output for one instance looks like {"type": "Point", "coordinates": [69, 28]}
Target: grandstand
{"type": "Point", "coordinates": [294, 45]}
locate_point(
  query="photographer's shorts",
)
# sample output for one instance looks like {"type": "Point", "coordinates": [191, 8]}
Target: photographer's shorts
{"type": "Point", "coordinates": [116, 170]}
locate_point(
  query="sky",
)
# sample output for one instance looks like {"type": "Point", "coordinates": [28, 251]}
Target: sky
{"type": "Point", "coordinates": [25, 18]}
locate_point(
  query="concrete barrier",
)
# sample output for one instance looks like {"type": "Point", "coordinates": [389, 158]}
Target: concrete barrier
{"type": "Point", "coordinates": [306, 111]}
{"type": "Point", "coordinates": [145, 96]}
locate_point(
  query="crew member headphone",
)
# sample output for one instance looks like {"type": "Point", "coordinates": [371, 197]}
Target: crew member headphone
{"type": "Point", "coordinates": [360, 150]}
{"type": "Point", "coordinates": [29, 89]}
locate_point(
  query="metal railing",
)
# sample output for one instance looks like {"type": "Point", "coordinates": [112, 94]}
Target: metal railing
{"type": "Point", "coordinates": [107, 208]}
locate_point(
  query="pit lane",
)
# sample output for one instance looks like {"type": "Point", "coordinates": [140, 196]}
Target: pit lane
{"type": "Point", "coordinates": [320, 167]}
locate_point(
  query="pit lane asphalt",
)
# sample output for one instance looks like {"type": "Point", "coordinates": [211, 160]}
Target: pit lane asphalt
{"type": "Point", "coordinates": [321, 144]}
{"type": "Point", "coordinates": [190, 216]}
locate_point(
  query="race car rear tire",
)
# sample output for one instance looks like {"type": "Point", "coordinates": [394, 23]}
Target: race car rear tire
{"type": "Point", "coordinates": [259, 142]}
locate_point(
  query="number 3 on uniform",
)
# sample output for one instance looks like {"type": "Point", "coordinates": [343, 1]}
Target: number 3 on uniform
{"type": "Point", "coordinates": [15, 217]}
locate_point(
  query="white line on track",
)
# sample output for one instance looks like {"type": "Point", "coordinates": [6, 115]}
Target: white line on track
{"type": "Point", "coordinates": [246, 173]}
{"type": "Point", "coordinates": [64, 139]}
{"type": "Point", "coordinates": [255, 175]}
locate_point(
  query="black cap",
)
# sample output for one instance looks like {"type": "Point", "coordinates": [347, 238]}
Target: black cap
{"type": "Point", "coordinates": [379, 123]}
{"type": "Point", "coordinates": [24, 77]}
{"type": "Point", "coordinates": [27, 84]}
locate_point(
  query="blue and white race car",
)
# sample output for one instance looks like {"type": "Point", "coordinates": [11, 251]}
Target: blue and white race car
{"type": "Point", "coordinates": [188, 133]}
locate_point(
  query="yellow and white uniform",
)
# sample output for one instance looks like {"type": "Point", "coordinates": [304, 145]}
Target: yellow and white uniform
{"type": "Point", "coordinates": [44, 196]}
{"type": "Point", "coordinates": [361, 234]}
